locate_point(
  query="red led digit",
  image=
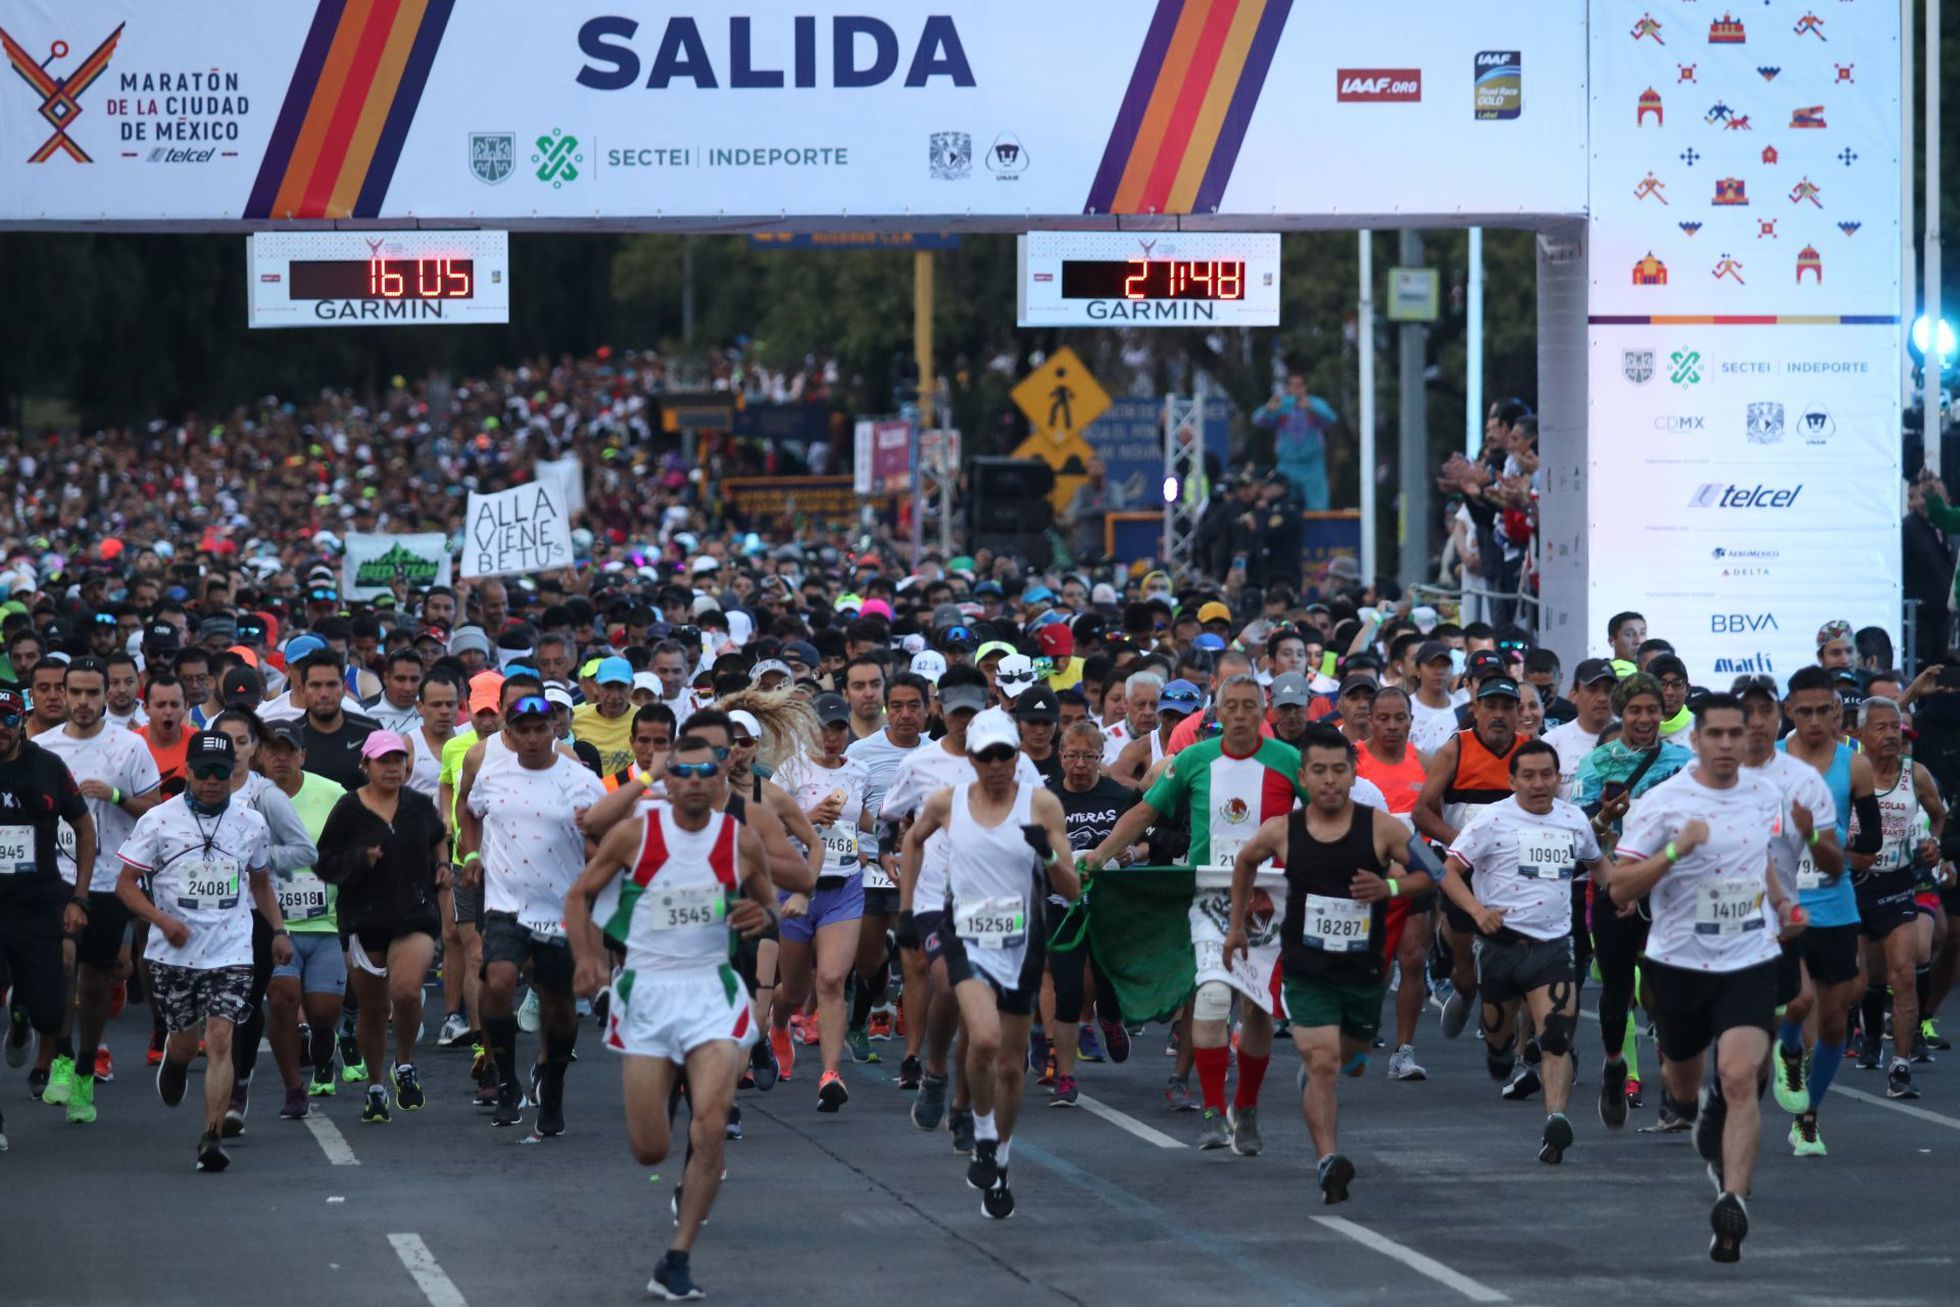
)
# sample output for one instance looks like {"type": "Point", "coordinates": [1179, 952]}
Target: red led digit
{"type": "Point", "coordinates": [1231, 281]}
{"type": "Point", "coordinates": [456, 280]}
{"type": "Point", "coordinates": [1134, 285]}
{"type": "Point", "coordinates": [428, 279]}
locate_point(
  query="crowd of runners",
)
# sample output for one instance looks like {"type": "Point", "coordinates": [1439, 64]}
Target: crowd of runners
{"type": "Point", "coordinates": [758, 820]}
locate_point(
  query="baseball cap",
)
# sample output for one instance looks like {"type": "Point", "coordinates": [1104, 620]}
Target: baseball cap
{"type": "Point", "coordinates": [769, 666]}
{"type": "Point", "coordinates": [1213, 612]}
{"type": "Point", "coordinates": [1289, 691]}
{"type": "Point", "coordinates": [558, 696]}
{"type": "Point", "coordinates": [1180, 696]}
{"type": "Point", "coordinates": [161, 636]}
{"type": "Point", "coordinates": [1056, 641]}
{"type": "Point", "coordinates": [745, 721]}
{"type": "Point", "coordinates": [1592, 671]}
{"type": "Point", "coordinates": [1498, 687]}
{"type": "Point", "coordinates": [641, 681]}
{"type": "Point", "coordinates": [1014, 675]}
{"type": "Point", "coordinates": [1484, 660]}
{"type": "Point", "coordinates": [1353, 683]}
{"type": "Point", "coordinates": [287, 730]}
{"type": "Point", "coordinates": [968, 698]}
{"type": "Point", "coordinates": [301, 645]}
{"type": "Point", "coordinates": [990, 729]}
{"type": "Point", "coordinates": [251, 629]}
{"type": "Point", "coordinates": [467, 638]}
{"type": "Point", "coordinates": [382, 743]}
{"type": "Point", "coordinates": [210, 747]}
{"type": "Point", "coordinates": [614, 671]}
{"type": "Point", "coordinates": [929, 663]}
{"type": "Point", "coordinates": [219, 627]}
{"type": "Point", "coordinates": [1431, 650]}
{"type": "Point", "coordinates": [801, 651]}
{"type": "Point", "coordinates": [486, 692]}
{"type": "Point", "coordinates": [702, 565]}
{"type": "Point", "coordinates": [1209, 642]}
{"type": "Point", "coordinates": [1038, 705]}
{"type": "Point", "coordinates": [830, 709]}
{"type": "Point", "coordinates": [435, 633]}
{"type": "Point", "coordinates": [991, 648]}
{"type": "Point", "coordinates": [241, 687]}
{"type": "Point", "coordinates": [1757, 684]}
{"type": "Point", "coordinates": [12, 701]}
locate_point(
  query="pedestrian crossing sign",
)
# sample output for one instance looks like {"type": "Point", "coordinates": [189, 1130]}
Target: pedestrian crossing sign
{"type": "Point", "coordinates": [1060, 397]}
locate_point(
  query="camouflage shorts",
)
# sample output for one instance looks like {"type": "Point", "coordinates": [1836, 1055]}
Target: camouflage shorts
{"type": "Point", "coordinates": [186, 995]}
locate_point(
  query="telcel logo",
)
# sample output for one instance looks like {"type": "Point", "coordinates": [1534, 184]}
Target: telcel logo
{"type": "Point", "coordinates": [1714, 494]}
{"type": "Point", "coordinates": [1740, 623]}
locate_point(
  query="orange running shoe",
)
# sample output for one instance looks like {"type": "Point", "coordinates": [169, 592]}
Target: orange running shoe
{"type": "Point", "coordinates": [1048, 1069]}
{"type": "Point", "coordinates": [880, 1026]}
{"type": "Point", "coordinates": [105, 1065]}
{"type": "Point", "coordinates": [785, 1049]}
{"type": "Point", "coordinates": [831, 1093]}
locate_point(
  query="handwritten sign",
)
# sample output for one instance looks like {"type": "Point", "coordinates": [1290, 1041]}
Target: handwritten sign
{"type": "Point", "coordinates": [524, 529]}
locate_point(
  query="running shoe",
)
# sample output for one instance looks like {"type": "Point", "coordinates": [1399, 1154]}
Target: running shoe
{"type": "Point", "coordinates": [1177, 1095]}
{"type": "Point", "coordinates": [171, 1081]}
{"type": "Point", "coordinates": [549, 1098]}
{"type": "Point", "coordinates": [784, 1048]}
{"type": "Point", "coordinates": [1065, 1094]}
{"type": "Point", "coordinates": [929, 1108]}
{"type": "Point", "coordinates": [485, 1093]}
{"type": "Point", "coordinates": [1869, 1050]}
{"type": "Point", "coordinates": [321, 1085]}
{"type": "Point", "coordinates": [762, 1065]}
{"type": "Point", "coordinates": [959, 1123]}
{"type": "Point", "coordinates": [352, 1068]}
{"type": "Point", "coordinates": [1613, 1093]}
{"type": "Point", "coordinates": [984, 1169]}
{"type": "Point", "coordinates": [294, 1108]}
{"type": "Point", "coordinates": [105, 1065]}
{"type": "Point", "coordinates": [509, 1104]}
{"type": "Point", "coordinates": [1402, 1064]}
{"type": "Point", "coordinates": [81, 1101]}
{"type": "Point", "coordinates": [455, 1029]}
{"type": "Point", "coordinates": [1213, 1130]}
{"type": "Point", "coordinates": [1730, 1221]}
{"type": "Point", "coordinates": [1336, 1174]}
{"type": "Point", "coordinates": [1930, 1028]}
{"type": "Point", "coordinates": [831, 1093]}
{"type": "Point", "coordinates": [998, 1200]}
{"type": "Point", "coordinates": [880, 1026]}
{"type": "Point", "coordinates": [1636, 1097]}
{"type": "Point", "coordinates": [211, 1155]}
{"type": "Point", "coordinates": [1116, 1040]}
{"type": "Point", "coordinates": [1792, 1095]}
{"type": "Point", "coordinates": [1898, 1081]}
{"type": "Point", "coordinates": [17, 1032]}
{"type": "Point", "coordinates": [1170, 1043]}
{"type": "Point", "coordinates": [673, 1281]}
{"type": "Point", "coordinates": [1244, 1122]}
{"type": "Point", "coordinates": [806, 1028]}
{"type": "Point", "coordinates": [1089, 1045]}
{"type": "Point", "coordinates": [408, 1088]}
{"type": "Point", "coordinates": [529, 1018]}
{"type": "Point", "coordinates": [1050, 1067]}
{"type": "Point", "coordinates": [1456, 1013]}
{"type": "Point", "coordinates": [859, 1043]}
{"type": "Point", "coordinates": [733, 1128]}
{"type": "Point", "coordinates": [241, 1101]}
{"type": "Point", "coordinates": [61, 1081]}
{"type": "Point", "coordinates": [1922, 1052]}
{"type": "Point", "coordinates": [910, 1071]}
{"type": "Point", "coordinates": [1041, 1053]}
{"type": "Point", "coordinates": [1805, 1141]}
{"type": "Point", "coordinates": [37, 1083]}
{"type": "Point", "coordinates": [1523, 1084]}
{"type": "Point", "coordinates": [1557, 1138]}
{"type": "Point", "coordinates": [1669, 1120]}
{"type": "Point", "coordinates": [374, 1109]}
{"type": "Point", "coordinates": [154, 1055]}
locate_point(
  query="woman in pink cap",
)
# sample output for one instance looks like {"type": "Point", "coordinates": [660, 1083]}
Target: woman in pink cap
{"type": "Point", "coordinates": [384, 845]}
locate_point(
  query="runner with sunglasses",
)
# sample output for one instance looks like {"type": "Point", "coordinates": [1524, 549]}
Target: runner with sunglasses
{"type": "Point", "coordinates": [677, 1004]}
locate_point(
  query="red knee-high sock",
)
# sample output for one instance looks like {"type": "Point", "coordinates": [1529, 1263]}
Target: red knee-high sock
{"type": "Point", "coordinates": [1211, 1074]}
{"type": "Point", "coordinates": [1252, 1074]}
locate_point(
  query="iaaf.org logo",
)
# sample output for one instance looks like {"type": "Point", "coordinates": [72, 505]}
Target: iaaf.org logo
{"type": "Point", "coordinates": [1716, 494]}
{"type": "Point", "coordinates": [1740, 623]}
{"type": "Point", "coordinates": [60, 92]}
{"type": "Point", "coordinates": [1378, 85]}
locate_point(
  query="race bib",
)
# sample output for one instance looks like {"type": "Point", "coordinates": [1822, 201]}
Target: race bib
{"type": "Point", "coordinates": [686, 907]}
{"type": "Point", "coordinates": [875, 877]}
{"type": "Point", "coordinates": [302, 897]}
{"type": "Point", "coordinates": [1000, 922]}
{"type": "Point", "coordinates": [1336, 925]}
{"type": "Point", "coordinates": [1729, 906]}
{"type": "Point", "coordinates": [207, 884]}
{"type": "Point", "coordinates": [1808, 877]}
{"type": "Point", "coordinates": [840, 847]}
{"type": "Point", "coordinates": [17, 850]}
{"type": "Point", "coordinates": [1545, 853]}
{"type": "Point", "coordinates": [64, 840]}
{"type": "Point", "coordinates": [544, 929]}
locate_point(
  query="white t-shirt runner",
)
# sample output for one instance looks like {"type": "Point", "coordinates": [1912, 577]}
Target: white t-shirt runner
{"type": "Point", "coordinates": [531, 844]}
{"type": "Point", "coordinates": [1430, 728]}
{"type": "Point", "coordinates": [921, 774]}
{"type": "Point", "coordinates": [1573, 743]}
{"type": "Point", "coordinates": [118, 758]}
{"type": "Point", "coordinates": [1711, 909]}
{"type": "Point", "coordinates": [809, 783]}
{"type": "Point", "coordinates": [1524, 862]}
{"type": "Point", "coordinates": [200, 872]}
{"type": "Point", "coordinates": [880, 758]}
{"type": "Point", "coordinates": [1802, 783]}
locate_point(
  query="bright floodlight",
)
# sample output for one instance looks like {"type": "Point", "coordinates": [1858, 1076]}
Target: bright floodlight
{"type": "Point", "coordinates": [1170, 490]}
{"type": "Point", "coordinates": [1918, 337]}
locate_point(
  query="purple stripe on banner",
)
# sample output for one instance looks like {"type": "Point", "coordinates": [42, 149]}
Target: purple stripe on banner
{"type": "Point", "coordinates": [292, 114]}
{"type": "Point", "coordinates": [1143, 79]}
{"type": "Point", "coordinates": [1245, 97]}
{"type": "Point", "coordinates": [415, 76]}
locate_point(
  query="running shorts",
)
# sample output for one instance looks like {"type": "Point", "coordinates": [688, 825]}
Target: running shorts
{"type": "Point", "coordinates": [504, 940]}
{"type": "Point", "coordinates": [1511, 966]}
{"type": "Point", "coordinates": [1694, 1008]}
{"type": "Point", "coordinates": [319, 963]}
{"type": "Point", "coordinates": [100, 943]}
{"type": "Point", "coordinates": [669, 1014]}
{"type": "Point", "coordinates": [186, 994]}
{"type": "Point", "coordinates": [840, 902]}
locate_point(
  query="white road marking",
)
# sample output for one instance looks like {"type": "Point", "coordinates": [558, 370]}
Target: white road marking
{"type": "Point", "coordinates": [1124, 1121]}
{"type": "Point", "coordinates": [429, 1277]}
{"type": "Point", "coordinates": [331, 1141]}
{"type": "Point", "coordinates": [1415, 1261]}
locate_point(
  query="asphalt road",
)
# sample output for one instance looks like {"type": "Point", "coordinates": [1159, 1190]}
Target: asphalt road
{"type": "Point", "coordinates": [1451, 1205]}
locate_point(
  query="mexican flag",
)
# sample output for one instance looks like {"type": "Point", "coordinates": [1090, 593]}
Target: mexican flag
{"type": "Point", "coordinates": [1138, 922]}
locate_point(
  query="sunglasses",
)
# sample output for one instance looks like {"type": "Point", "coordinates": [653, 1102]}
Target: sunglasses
{"type": "Point", "coordinates": [212, 771]}
{"type": "Point", "coordinates": [699, 771]}
{"type": "Point", "coordinates": [1015, 678]}
{"type": "Point", "coordinates": [996, 753]}
{"type": "Point", "coordinates": [12, 720]}
{"type": "Point", "coordinates": [742, 741]}
{"type": "Point", "coordinates": [956, 635]}
{"type": "Point", "coordinates": [530, 703]}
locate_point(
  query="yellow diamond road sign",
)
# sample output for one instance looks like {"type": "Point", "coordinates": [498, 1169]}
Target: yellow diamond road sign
{"type": "Point", "coordinates": [1060, 397]}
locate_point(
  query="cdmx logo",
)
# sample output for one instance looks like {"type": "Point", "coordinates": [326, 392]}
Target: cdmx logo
{"type": "Point", "coordinates": [61, 94]}
{"type": "Point", "coordinates": [558, 158]}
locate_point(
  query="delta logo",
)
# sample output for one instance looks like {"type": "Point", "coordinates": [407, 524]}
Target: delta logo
{"type": "Point", "coordinates": [1378, 85]}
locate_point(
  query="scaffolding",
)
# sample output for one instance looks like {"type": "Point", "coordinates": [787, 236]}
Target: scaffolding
{"type": "Point", "coordinates": [1185, 489]}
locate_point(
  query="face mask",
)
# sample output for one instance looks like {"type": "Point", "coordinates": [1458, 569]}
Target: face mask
{"type": "Point", "coordinates": [202, 809]}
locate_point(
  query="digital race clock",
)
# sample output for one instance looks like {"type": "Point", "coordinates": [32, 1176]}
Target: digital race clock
{"type": "Point", "coordinates": [1148, 279]}
{"type": "Point", "coordinates": [378, 278]}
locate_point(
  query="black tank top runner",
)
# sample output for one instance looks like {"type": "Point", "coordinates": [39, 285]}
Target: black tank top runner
{"type": "Point", "coordinates": [1327, 869]}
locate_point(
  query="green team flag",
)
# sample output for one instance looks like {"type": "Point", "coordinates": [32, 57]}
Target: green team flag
{"type": "Point", "coordinates": [1138, 922]}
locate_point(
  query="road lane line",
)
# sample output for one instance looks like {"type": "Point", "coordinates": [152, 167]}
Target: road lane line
{"type": "Point", "coordinates": [1415, 1261]}
{"type": "Point", "coordinates": [429, 1277]}
{"type": "Point", "coordinates": [331, 1141]}
{"type": "Point", "coordinates": [1124, 1121]}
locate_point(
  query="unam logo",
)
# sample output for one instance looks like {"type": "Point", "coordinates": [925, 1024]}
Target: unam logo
{"type": "Point", "coordinates": [60, 95]}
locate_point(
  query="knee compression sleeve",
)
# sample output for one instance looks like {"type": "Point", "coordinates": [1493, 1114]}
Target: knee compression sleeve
{"type": "Point", "coordinates": [1213, 1002]}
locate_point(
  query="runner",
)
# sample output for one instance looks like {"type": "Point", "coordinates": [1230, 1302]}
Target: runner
{"type": "Point", "coordinates": [992, 936]}
{"type": "Point", "coordinates": [676, 1003]}
{"type": "Point", "coordinates": [1592, 699]}
{"type": "Point", "coordinates": [1136, 766]}
{"type": "Point", "coordinates": [527, 813]}
{"type": "Point", "coordinates": [1433, 707]}
{"type": "Point", "coordinates": [1525, 852]}
{"type": "Point", "coordinates": [197, 850]}
{"type": "Point", "coordinates": [907, 697]}
{"type": "Point", "coordinates": [1340, 864]}
{"type": "Point", "coordinates": [1388, 761]}
{"type": "Point", "coordinates": [384, 846]}
{"type": "Point", "coordinates": [1699, 848]}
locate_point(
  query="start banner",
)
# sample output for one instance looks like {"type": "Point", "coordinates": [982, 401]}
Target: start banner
{"type": "Point", "coordinates": [207, 112]}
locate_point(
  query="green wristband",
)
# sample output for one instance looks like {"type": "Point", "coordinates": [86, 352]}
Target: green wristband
{"type": "Point", "coordinates": [1669, 852]}
{"type": "Point", "coordinates": [1394, 890]}
{"type": "Point", "coordinates": [115, 796]}
{"type": "Point", "coordinates": [474, 856]}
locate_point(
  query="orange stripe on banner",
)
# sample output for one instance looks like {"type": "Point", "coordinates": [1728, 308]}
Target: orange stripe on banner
{"type": "Point", "coordinates": [380, 99]}
{"type": "Point", "coordinates": [1211, 115]}
{"type": "Point", "coordinates": [347, 109]}
{"type": "Point", "coordinates": [319, 110]}
{"type": "Point", "coordinates": [1190, 95]}
{"type": "Point", "coordinates": [1163, 99]}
